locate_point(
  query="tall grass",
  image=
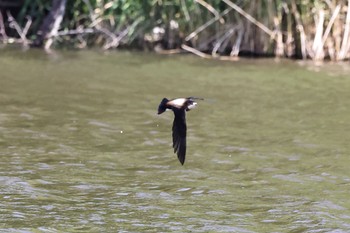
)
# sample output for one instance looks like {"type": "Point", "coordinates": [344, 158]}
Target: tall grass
{"type": "Point", "coordinates": [315, 29]}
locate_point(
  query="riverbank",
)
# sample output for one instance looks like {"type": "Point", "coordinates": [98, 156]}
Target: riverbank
{"type": "Point", "coordinates": [223, 29]}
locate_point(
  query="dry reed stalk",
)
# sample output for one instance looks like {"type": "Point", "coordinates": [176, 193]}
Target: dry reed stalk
{"type": "Point", "coordinates": [19, 30]}
{"type": "Point", "coordinates": [329, 26]}
{"type": "Point", "coordinates": [288, 29]}
{"type": "Point", "coordinates": [47, 31]}
{"type": "Point", "coordinates": [345, 42]}
{"type": "Point", "coordinates": [331, 50]}
{"type": "Point", "coordinates": [112, 39]}
{"type": "Point", "coordinates": [195, 51]}
{"type": "Point", "coordinates": [169, 51]}
{"type": "Point", "coordinates": [247, 42]}
{"type": "Point", "coordinates": [27, 26]}
{"type": "Point", "coordinates": [115, 41]}
{"type": "Point", "coordinates": [78, 31]}
{"type": "Point", "coordinates": [204, 55]}
{"type": "Point", "coordinates": [211, 9]}
{"type": "Point", "coordinates": [317, 46]}
{"type": "Point", "coordinates": [300, 28]}
{"type": "Point", "coordinates": [205, 45]}
{"type": "Point", "coordinates": [236, 47]}
{"type": "Point", "coordinates": [207, 24]}
{"type": "Point", "coordinates": [185, 10]}
{"type": "Point", "coordinates": [337, 34]}
{"type": "Point", "coordinates": [347, 53]}
{"type": "Point", "coordinates": [274, 18]}
{"type": "Point", "coordinates": [55, 18]}
{"type": "Point", "coordinates": [2, 28]}
{"type": "Point", "coordinates": [279, 52]}
{"type": "Point", "coordinates": [222, 39]}
{"type": "Point", "coordinates": [249, 17]}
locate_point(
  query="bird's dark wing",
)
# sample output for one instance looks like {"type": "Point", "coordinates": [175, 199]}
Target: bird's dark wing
{"type": "Point", "coordinates": [179, 134]}
{"type": "Point", "coordinates": [195, 98]}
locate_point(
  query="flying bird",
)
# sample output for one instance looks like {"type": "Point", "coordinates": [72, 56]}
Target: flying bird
{"type": "Point", "coordinates": [179, 106]}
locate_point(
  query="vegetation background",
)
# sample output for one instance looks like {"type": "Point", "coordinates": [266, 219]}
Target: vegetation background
{"type": "Point", "coordinates": [224, 29]}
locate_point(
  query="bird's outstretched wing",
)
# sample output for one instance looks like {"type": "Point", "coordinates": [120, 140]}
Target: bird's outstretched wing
{"type": "Point", "coordinates": [195, 98]}
{"type": "Point", "coordinates": [179, 134]}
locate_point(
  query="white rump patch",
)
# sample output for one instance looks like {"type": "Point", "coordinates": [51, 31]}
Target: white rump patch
{"type": "Point", "coordinates": [177, 102]}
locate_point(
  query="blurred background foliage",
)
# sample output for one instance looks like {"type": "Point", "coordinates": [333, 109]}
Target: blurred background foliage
{"type": "Point", "coordinates": [290, 28]}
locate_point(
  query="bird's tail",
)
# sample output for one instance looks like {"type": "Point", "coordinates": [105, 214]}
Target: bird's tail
{"type": "Point", "coordinates": [162, 105]}
{"type": "Point", "coordinates": [164, 101]}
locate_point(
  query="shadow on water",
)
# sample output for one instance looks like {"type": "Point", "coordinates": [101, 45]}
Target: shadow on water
{"type": "Point", "coordinates": [83, 150]}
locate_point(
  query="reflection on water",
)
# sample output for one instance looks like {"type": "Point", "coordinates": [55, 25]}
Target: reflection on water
{"type": "Point", "coordinates": [82, 149]}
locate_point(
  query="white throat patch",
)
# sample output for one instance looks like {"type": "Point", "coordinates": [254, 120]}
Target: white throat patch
{"type": "Point", "coordinates": [192, 106]}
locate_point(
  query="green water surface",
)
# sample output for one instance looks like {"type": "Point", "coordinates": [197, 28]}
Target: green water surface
{"type": "Point", "coordinates": [83, 150]}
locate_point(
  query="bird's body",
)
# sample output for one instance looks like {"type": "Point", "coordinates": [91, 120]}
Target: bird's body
{"type": "Point", "coordinates": [179, 107]}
